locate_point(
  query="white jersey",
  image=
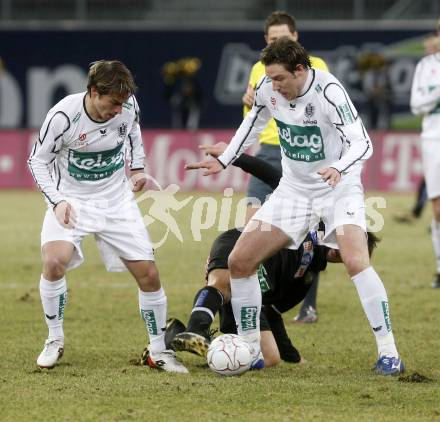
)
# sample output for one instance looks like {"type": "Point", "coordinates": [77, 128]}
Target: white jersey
{"type": "Point", "coordinates": [77, 157]}
{"type": "Point", "coordinates": [320, 128]}
{"type": "Point", "coordinates": [425, 95]}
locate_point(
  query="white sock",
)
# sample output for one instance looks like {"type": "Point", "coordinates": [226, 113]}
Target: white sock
{"type": "Point", "coordinates": [375, 303]}
{"type": "Point", "coordinates": [54, 298]}
{"type": "Point", "coordinates": [435, 234]}
{"type": "Point", "coordinates": [153, 308]}
{"type": "Point", "coordinates": [246, 305]}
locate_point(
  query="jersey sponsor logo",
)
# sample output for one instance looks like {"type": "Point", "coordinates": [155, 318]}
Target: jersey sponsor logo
{"type": "Point", "coordinates": [150, 321]}
{"type": "Point", "coordinates": [94, 166]}
{"type": "Point", "coordinates": [62, 305]}
{"type": "Point", "coordinates": [346, 114]}
{"type": "Point", "coordinates": [301, 143]}
{"type": "Point", "coordinates": [386, 315]}
{"type": "Point", "coordinates": [262, 274]}
{"type": "Point", "coordinates": [248, 318]}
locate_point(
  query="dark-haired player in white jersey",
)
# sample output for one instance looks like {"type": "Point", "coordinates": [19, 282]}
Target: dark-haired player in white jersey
{"type": "Point", "coordinates": [78, 162]}
{"type": "Point", "coordinates": [285, 279]}
{"type": "Point", "coordinates": [425, 101]}
{"type": "Point", "coordinates": [323, 144]}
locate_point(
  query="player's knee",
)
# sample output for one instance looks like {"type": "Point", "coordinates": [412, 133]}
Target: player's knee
{"type": "Point", "coordinates": [240, 266]}
{"type": "Point", "coordinates": [356, 264]}
{"type": "Point", "coordinates": [53, 268]}
{"type": "Point", "coordinates": [149, 278]}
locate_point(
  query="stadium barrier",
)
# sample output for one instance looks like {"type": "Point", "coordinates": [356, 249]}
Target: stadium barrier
{"type": "Point", "coordinates": [395, 166]}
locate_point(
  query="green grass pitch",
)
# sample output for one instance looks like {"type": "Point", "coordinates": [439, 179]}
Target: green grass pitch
{"type": "Point", "coordinates": [99, 378]}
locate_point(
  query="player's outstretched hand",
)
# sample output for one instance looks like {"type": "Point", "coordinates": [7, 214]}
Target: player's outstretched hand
{"type": "Point", "coordinates": [211, 166]}
{"type": "Point", "coordinates": [330, 175]}
{"type": "Point", "coordinates": [138, 180]}
{"type": "Point", "coordinates": [214, 150]}
{"type": "Point", "coordinates": [65, 214]}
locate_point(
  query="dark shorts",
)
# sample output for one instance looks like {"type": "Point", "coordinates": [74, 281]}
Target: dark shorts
{"type": "Point", "coordinates": [220, 250]}
{"type": "Point", "coordinates": [257, 189]}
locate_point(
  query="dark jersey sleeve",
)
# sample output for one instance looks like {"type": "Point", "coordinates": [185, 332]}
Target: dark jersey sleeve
{"type": "Point", "coordinates": [259, 168]}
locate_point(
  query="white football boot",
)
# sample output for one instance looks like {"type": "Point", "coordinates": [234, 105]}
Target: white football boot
{"type": "Point", "coordinates": [52, 352]}
{"type": "Point", "coordinates": [165, 361]}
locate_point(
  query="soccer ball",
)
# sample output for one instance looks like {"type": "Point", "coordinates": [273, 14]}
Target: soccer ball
{"type": "Point", "coordinates": [229, 354]}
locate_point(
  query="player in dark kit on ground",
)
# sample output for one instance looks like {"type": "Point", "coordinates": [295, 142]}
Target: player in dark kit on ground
{"type": "Point", "coordinates": [285, 279]}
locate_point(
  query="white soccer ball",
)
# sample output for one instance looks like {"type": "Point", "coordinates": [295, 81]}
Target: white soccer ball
{"type": "Point", "coordinates": [229, 354]}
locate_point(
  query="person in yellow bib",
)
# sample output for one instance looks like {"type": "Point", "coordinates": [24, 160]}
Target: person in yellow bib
{"type": "Point", "coordinates": [278, 24]}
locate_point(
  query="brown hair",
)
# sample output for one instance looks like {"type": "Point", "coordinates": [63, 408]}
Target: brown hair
{"type": "Point", "coordinates": [280, 18]}
{"type": "Point", "coordinates": [111, 77]}
{"type": "Point", "coordinates": [286, 52]}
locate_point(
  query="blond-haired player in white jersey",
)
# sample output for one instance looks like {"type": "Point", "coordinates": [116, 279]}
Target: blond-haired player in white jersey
{"type": "Point", "coordinates": [324, 144]}
{"type": "Point", "coordinates": [78, 162]}
{"type": "Point", "coordinates": [425, 101]}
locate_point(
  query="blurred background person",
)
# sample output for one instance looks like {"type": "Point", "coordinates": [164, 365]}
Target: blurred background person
{"type": "Point", "coordinates": [373, 68]}
{"type": "Point", "coordinates": [425, 101]}
{"type": "Point", "coordinates": [183, 92]}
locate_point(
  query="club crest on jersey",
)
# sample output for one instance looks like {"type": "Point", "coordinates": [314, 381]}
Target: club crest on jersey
{"type": "Point", "coordinates": [301, 143]}
{"type": "Point", "coordinates": [122, 130]}
{"type": "Point", "coordinates": [273, 101]}
{"type": "Point", "coordinates": [309, 111]}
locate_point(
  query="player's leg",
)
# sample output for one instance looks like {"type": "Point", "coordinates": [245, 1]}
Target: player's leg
{"type": "Point", "coordinates": [153, 309]}
{"type": "Point", "coordinates": [307, 313]}
{"type": "Point", "coordinates": [207, 302]}
{"type": "Point", "coordinates": [286, 349]}
{"type": "Point", "coordinates": [257, 242]}
{"type": "Point", "coordinates": [352, 243]}
{"type": "Point", "coordinates": [125, 238]}
{"type": "Point", "coordinates": [431, 168]}
{"type": "Point", "coordinates": [56, 256]}
{"type": "Point", "coordinates": [435, 235]}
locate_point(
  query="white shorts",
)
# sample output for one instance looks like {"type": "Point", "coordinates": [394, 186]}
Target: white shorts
{"type": "Point", "coordinates": [119, 231]}
{"type": "Point", "coordinates": [431, 166]}
{"type": "Point", "coordinates": [296, 212]}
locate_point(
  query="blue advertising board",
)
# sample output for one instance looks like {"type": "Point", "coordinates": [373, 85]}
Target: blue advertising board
{"type": "Point", "coordinates": [40, 67]}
